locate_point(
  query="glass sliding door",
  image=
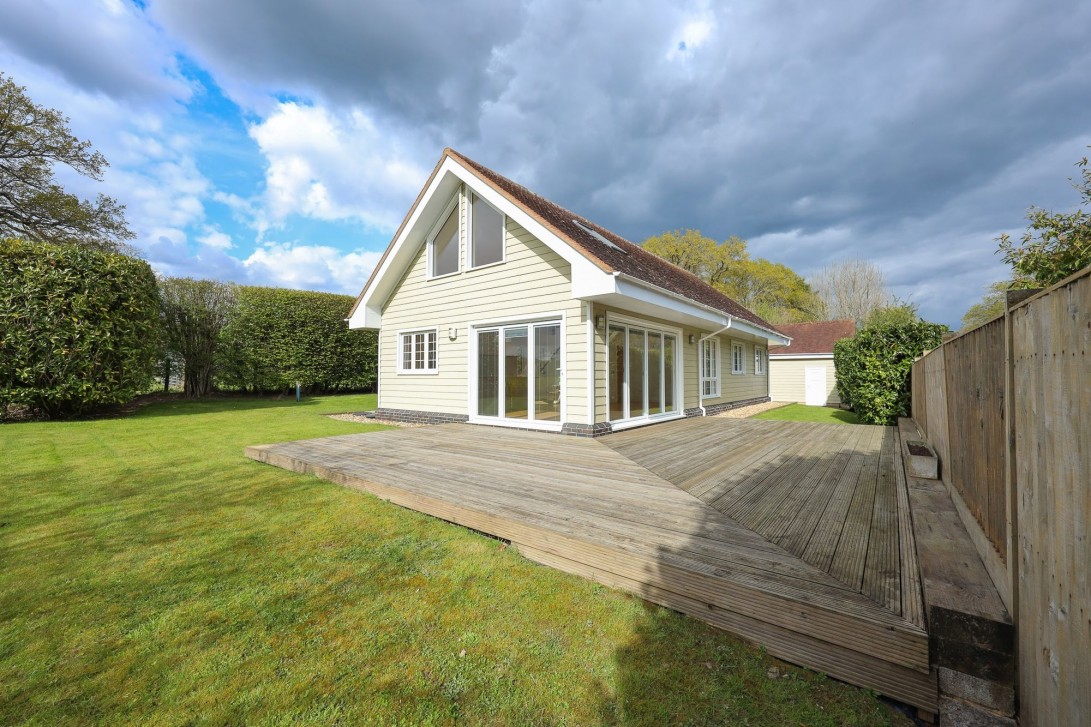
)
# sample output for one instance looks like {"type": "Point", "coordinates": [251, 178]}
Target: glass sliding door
{"type": "Point", "coordinates": [668, 372]}
{"type": "Point", "coordinates": [516, 389]}
{"type": "Point", "coordinates": [547, 373]}
{"type": "Point", "coordinates": [615, 352]}
{"type": "Point", "coordinates": [641, 372]}
{"type": "Point", "coordinates": [488, 373]}
{"type": "Point", "coordinates": [519, 372]}
{"type": "Point", "coordinates": [655, 373]}
{"type": "Point", "coordinates": [637, 366]}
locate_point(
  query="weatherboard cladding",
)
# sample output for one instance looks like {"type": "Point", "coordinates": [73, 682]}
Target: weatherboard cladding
{"type": "Point", "coordinates": [626, 257]}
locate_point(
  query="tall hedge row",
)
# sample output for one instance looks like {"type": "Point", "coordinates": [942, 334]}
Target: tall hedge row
{"type": "Point", "coordinates": [78, 327]}
{"type": "Point", "coordinates": [277, 337]}
{"type": "Point", "coordinates": [873, 367]}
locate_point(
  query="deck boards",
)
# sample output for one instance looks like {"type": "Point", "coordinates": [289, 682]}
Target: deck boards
{"type": "Point", "coordinates": [609, 509]}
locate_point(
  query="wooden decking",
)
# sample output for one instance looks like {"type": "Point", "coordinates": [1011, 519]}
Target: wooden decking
{"type": "Point", "coordinates": [794, 536]}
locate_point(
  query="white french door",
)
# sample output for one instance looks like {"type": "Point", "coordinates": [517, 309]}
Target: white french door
{"type": "Point", "coordinates": [643, 372]}
{"type": "Point", "coordinates": [518, 373]}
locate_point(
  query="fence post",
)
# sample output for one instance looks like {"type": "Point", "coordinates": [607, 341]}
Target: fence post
{"type": "Point", "coordinates": [1011, 496]}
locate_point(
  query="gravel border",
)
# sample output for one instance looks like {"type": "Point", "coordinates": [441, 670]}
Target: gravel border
{"type": "Point", "coordinates": [361, 419]}
{"type": "Point", "coordinates": [745, 412]}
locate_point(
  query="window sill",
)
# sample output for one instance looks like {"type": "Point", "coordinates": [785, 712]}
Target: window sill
{"type": "Point", "coordinates": [445, 275]}
{"type": "Point", "coordinates": [486, 265]}
{"type": "Point", "coordinates": [424, 372]}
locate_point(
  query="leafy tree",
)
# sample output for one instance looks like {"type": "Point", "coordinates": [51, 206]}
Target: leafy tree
{"type": "Point", "coordinates": [194, 314]}
{"type": "Point", "coordinates": [1055, 244]}
{"type": "Point", "coordinates": [873, 366]}
{"type": "Point", "coordinates": [78, 327]}
{"type": "Point", "coordinates": [772, 290]}
{"type": "Point", "coordinates": [988, 307]}
{"type": "Point", "coordinates": [279, 336]}
{"type": "Point", "coordinates": [851, 289]}
{"type": "Point", "coordinates": [32, 205]}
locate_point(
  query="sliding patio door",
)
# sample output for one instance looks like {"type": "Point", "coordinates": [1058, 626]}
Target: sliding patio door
{"type": "Point", "coordinates": [519, 372]}
{"type": "Point", "coordinates": [641, 378]}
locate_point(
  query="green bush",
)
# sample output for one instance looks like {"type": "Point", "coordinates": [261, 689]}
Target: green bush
{"type": "Point", "coordinates": [278, 337]}
{"type": "Point", "coordinates": [873, 366]}
{"type": "Point", "coordinates": [78, 327]}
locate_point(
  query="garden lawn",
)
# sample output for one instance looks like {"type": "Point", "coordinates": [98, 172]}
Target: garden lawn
{"type": "Point", "coordinates": [804, 413]}
{"type": "Point", "coordinates": [150, 574]}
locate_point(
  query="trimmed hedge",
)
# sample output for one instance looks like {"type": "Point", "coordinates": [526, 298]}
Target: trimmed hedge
{"type": "Point", "coordinates": [873, 367]}
{"type": "Point", "coordinates": [278, 337]}
{"type": "Point", "coordinates": [78, 327]}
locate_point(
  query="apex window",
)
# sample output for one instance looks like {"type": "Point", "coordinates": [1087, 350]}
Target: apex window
{"type": "Point", "coordinates": [486, 233]}
{"type": "Point", "coordinates": [443, 245]}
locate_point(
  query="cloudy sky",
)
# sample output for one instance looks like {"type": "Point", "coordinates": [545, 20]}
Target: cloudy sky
{"type": "Point", "coordinates": [282, 142]}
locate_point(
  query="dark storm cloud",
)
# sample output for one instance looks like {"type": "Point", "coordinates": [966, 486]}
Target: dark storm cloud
{"type": "Point", "coordinates": [99, 47]}
{"type": "Point", "coordinates": [420, 61]}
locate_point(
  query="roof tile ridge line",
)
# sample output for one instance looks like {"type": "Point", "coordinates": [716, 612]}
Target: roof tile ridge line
{"type": "Point", "coordinates": [476, 168]}
{"type": "Point", "coordinates": [603, 230]}
{"type": "Point", "coordinates": [398, 232]}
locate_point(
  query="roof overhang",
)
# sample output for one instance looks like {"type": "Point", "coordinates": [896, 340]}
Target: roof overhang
{"type": "Point", "coordinates": [643, 298]}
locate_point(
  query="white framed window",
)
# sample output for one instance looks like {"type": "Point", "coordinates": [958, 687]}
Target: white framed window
{"type": "Point", "coordinates": [443, 243]}
{"type": "Point", "coordinates": [710, 367]}
{"type": "Point", "coordinates": [738, 363]}
{"type": "Point", "coordinates": [486, 233]}
{"type": "Point", "coordinates": [417, 352]}
{"type": "Point", "coordinates": [759, 360]}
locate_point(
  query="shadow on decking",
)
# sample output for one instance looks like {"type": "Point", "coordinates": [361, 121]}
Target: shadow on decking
{"type": "Point", "coordinates": [580, 507]}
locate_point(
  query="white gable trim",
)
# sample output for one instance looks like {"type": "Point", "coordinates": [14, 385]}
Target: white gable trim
{"type": "Point", "coordinates": [450, 175]}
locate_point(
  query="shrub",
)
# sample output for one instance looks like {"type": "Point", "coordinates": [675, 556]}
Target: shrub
{"type": "Point", "coordinates": [873, 366]}
{"type": "Point", "coordinates": [278, 337]}
{"type": "Point", "coordinates": [78, 327]}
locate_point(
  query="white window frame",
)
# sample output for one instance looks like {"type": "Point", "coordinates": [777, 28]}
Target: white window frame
{"type": "Point", "coordinates": [452, 205]}
{"type": "Point", "coordinates": [629, 420]}
{"type": "Point", "coordinates": [713, 378]}
{"type": "Point", "coordinates": [499, 325]}
{"type": "Point", "coordinates": [739, 359]}
{"type": "Point", "coordinates": [759, 360]}
{"type": "Point", "coordinates": [413, 370]}
{"type": "Point", "coordinates": [470, 233]}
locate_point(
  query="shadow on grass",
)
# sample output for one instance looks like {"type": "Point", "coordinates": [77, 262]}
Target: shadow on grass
{"type": "Point", "coordinates": [219, 404]}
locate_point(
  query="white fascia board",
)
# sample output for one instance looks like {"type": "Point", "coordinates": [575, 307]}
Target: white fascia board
{"type": "Point", "coordinates": [648, 293]}
{"type": "Point", "coordinates": [444, 184]}
{"type": "Point", "coordinates": [787, 356]}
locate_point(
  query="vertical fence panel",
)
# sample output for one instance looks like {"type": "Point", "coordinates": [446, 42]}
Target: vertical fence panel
{"type": "Point", "coordinates": [975, 399]}
{"type": "Point", "coordinates": [1052, 407]}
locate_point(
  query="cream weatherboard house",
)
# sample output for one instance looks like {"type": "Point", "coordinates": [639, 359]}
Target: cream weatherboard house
{"type": "Point", "coordinates": [496, 306]}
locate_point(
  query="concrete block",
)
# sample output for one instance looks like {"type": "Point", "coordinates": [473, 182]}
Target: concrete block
{"type": "Point", "coordinates": [997, 697]}
{"type": "Point", "coordinates": [923, 462]}
{"type": "Point", "coordinates": [956, 712]}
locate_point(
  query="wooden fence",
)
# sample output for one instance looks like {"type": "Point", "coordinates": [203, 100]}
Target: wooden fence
{"type": "Point", "coordinates": [1007, 407]}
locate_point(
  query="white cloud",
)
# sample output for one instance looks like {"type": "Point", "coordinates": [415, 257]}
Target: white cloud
{"type": "Point", "coordinates": [215, 238]}
{"type": "Point", "coordinates": [334, 166]}
{"type": "Point", "coordinates": [312, 267]}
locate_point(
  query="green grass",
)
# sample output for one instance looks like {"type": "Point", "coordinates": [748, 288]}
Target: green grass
{"type": "Point", "coordinates": [150, 574]}
{"type": "Point", "coordinates": [804, 413]}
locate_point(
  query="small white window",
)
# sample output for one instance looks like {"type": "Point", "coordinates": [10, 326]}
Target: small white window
{"type": "Point", "coordinates": [710, 368]}
{"type": "Point", "coordinates": [443, 245]}
{"type": "Point", "coordinates": [487, 233]}
{"type": "Point", "coordinates": [418, 352]}
{"type": "Point", "coordinates": [738, 363]}
{"type": "Point", "coordinates": [759, 360]}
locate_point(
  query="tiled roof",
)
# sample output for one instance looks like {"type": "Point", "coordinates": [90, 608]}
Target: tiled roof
{"type": "Point", "coordinates": [813, 337]}
{"type": "Point", "coordinates": [615, 254]}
